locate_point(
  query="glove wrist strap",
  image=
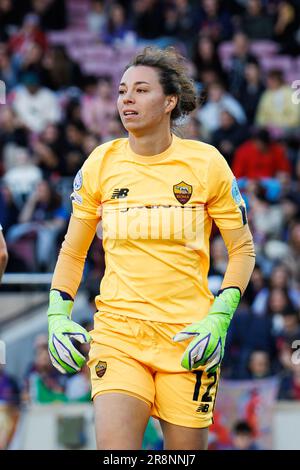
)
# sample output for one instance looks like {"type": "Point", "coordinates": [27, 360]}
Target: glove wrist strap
{"type": "Point", "coordinates": [226, 302]}
{"type": "Point", "coordinates": [59, 306]}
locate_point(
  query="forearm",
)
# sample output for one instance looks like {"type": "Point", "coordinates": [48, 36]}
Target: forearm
{"type": "Point", "coordinates": [69, 267]}
{"type": "Point", "coordinates": [239, 244]}
{"type": "Point", "coordinates": [27, 212]}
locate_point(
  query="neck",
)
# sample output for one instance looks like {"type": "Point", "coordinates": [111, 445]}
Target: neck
{"type": "Point", "coordinates": [151, 143]}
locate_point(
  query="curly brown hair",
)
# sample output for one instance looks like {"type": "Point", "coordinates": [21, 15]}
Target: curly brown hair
{"type": "Point", "coordinates": [173, 77]}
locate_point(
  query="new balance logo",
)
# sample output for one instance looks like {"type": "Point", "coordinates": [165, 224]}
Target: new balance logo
{"type": "Point", "coordinates": [203, 408]}
{"type": "Point", "coordinates": [120, 193]}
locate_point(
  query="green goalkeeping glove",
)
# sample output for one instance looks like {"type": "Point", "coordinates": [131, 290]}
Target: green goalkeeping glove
{"type": "Point", "coordinates": [207, 348]}
{"type": "Point", "coordinates": [64, 356]}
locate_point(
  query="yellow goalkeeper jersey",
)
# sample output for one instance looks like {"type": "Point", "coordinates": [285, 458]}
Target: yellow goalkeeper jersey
{"type": "Point", "coordinates": [156, 216]}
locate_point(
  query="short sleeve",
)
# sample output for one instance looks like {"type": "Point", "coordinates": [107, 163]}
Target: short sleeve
{"type": "Point", "coordinates": [225, 204]}
{"type": "Point", "coordinates": [86, 196]}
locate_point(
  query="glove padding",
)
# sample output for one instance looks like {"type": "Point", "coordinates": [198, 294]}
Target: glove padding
{"type": "Point", "coordinates": [63, 354]}
{"type": "Point", "coordinates": [207, 348]}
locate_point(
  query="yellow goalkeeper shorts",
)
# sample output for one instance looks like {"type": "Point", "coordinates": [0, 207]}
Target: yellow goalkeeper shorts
{"type": "Point", "coordinates": [139, 358]}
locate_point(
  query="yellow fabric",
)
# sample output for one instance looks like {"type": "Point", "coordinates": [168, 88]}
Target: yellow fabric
{"type": "Point", "coordinates": [239, 244]}
{"type": "Point", "coordinates": [68, 271]}
{"type": "Point", "coordinates": [157, 215]}
{"type": "Point", "coordinates": [139, 358]}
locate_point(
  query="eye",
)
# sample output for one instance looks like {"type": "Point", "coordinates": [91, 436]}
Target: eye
{"type": "Point", "coordinates": [141, 90]}
{"type": "Point", "coordinates": [121, 92]}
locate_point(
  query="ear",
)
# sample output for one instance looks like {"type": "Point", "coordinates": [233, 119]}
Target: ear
{"type": "Point", "coordinates": [170, 103]}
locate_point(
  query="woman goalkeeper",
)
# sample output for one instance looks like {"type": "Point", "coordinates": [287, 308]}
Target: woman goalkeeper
{"type": "Point", "coordinates": [158, 337]}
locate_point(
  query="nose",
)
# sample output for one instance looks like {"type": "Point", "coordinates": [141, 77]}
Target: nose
{"type": "Point", "coordinates": [128, 98]}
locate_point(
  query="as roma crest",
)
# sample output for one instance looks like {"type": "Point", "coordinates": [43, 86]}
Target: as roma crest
{"type": "Point", "coordinates": [100, 368]}
{"type": "Point", "coordinates": [182, 191]}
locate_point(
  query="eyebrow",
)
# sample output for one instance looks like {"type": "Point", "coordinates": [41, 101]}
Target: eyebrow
{"type": "Point", "coordinates": [135, 83]}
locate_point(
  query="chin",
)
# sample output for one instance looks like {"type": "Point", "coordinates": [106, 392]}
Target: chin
{"type": "Point", "coordinates": [133, 128]}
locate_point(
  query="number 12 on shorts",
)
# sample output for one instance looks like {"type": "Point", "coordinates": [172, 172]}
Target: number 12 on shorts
{"type": "Point", "coordinates": [206, 397]}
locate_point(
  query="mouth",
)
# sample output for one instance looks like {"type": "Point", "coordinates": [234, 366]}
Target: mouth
{"type": "Point", "coordinates": [129, 114]}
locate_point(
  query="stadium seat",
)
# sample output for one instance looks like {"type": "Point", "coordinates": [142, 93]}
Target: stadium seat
{"type": "Point", "coordinates": [263, 48]}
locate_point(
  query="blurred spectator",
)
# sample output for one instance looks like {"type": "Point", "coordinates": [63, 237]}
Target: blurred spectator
{"type": "Point", "coordinates": [98, 107]}
{"type": "Point", "coordinates": [251, 89]}
{"type": "Point", "coordinates": [179, 21]}
{"type": "Point", "coordinates": [90, 143]}
{"type": "Point", "coordinates": [267, 219]}
{"type": "Point", "coordinates": [219, 100]}
{"type": "Point", "coordinates": [241, 55]}
{"type": "Point", "coordinates": [191, 128]}
{"type": "Point", "coordinates": [219, 257]}
{"type": "Point", "coordinates": [242, 437]}
{"type": "Point", "coordinates": [285, 27]}
{"type": "Point", "coordinates": [278, 304]}
{"type": "Point", "coordinates": [96, 17]}
{"type": "Point", "coordinates": [115, 129]}
{"type": "Point", "coordinates": [147, 19]}
{"type": "Point", "coordinates": [22, 175]}
{"type": "Point", "coordinates": [292, 260]}
{"type": "Point", "coordinates": [8, 69]}
{"type": "Point", "coordinates": [9, 390]}
{"type": "Point", "coordinates": [281, 278]}
{"type": "Point", "coordinates": [215, 21]}
{"type": "Point", "coordinates": [248, 332]}
{"type": "Point", "coordinates": [28, 34]}
{"type": "Point", "coordinates": [291, 327]}
{"type": "Point", "coordinates": [59, 71]}
{"type": "Point", "coordinates": [257, 284]}
{"type": "Point", "coordinates": [45, 217]}
{"type": "Point", "coordinates": [9, 412]}
{"type": "Point", "coordinates": [205, 58]}
{"type": "Point", "coordinates": [43, 383]}
{"type": "Point", "coordinates": [276, 108]}
{"type": "Point", "coordinates": [8, 209]}
{"type": "Point", "coordinates": [116, 30]}
{"type": "Point", "coordinates": [258, 366]}
{"type": "Point", "coordinates": [260, 157]}
{"type": "Point", "coordinates": [256, 23]}
{"type": "Point", "coordinates": [75, 133]}
{"type": "Point", "coordinates": [52, 13]}
{"type": "Point", "coordinates": [10, 17]}
{"type": "Point", "coordinates": [48, 152]}
{"type": "Point", "coordinates": [229, 135]}
{"type": "Point", "coordinates": [289, 388]}
{"type": "Point", "coordinates": [12, 131]}
{"type": "Point", "coordinates": [35, 106]}
{"type": "Point", "coordinates": [31, 60]}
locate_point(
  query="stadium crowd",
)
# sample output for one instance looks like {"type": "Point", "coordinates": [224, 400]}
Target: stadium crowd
{"type": "Point", "coordinates": [244, 57]}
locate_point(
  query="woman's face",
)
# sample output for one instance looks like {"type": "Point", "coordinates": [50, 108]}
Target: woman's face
{"type": "Point", "coordinates": [43, 191]}
{"type": "Point", "coordinates": [279, 277]}
{"type": "Point", "coordinates": [142, 104]}
{"type": "Point", "coordinates": [205, 48]}
{"type": "Point", "coordinates": [277, 301]}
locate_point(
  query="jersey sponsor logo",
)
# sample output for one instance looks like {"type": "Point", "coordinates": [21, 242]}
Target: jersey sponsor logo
{"type": "Point", "coordinates": [182, 191]}
{"type": "Point", "coordinates": [100, 368]}
{"type": "Point", "coordinates": [120, 193]}
{"type": "Point", "coordinates": [78, 181]}
{"type": "Point", "coordinates": [235, 192]}
{"type": "Point", "coordinates": [202, 408]}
